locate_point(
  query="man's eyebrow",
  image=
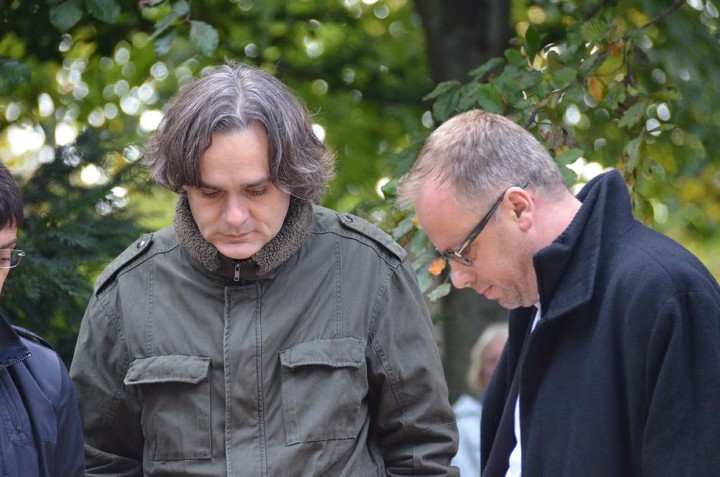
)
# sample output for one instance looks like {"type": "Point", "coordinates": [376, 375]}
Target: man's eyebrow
{"type": "Point", "coordinates": [256, 183]}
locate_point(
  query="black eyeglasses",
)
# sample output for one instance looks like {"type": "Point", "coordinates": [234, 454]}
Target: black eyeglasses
{"type": "Point", "coordinates": [458, 255]}
{"type": "Point", "coordinates": [10, 258]}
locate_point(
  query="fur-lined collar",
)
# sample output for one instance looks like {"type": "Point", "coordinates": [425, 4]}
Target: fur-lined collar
{"type": "Point", "coordinates": [297, 227]}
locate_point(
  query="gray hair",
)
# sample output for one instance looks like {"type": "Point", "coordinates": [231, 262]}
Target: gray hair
{"type": "Point", "coordinates": [229, 99]}
{"type": "Point", "coordinates": [479, 154]}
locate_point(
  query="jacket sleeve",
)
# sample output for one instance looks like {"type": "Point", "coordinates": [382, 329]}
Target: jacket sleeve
{"type": "Point", "coordinates": [683, 385]}
{"type": "Point", "coordinates": [413, 419]}
{"type": "Point", "coordinates": [111, 417]}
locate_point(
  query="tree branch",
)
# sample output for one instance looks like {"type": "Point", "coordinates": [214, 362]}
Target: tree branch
{"type": "Point", "coordinates": [659, 18]}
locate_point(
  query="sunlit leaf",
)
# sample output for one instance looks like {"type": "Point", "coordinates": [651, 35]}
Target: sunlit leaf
{"type": "Point", "coordinates": [165, 43]}
{"type": "Point", "coordinates": [203, 37]}
{"type": "Point", "coordinates": [179, 10]}
{"type": "Point", "coordinates": [594, 31]}
{"type": "Point", "coordinates": [596, 88]}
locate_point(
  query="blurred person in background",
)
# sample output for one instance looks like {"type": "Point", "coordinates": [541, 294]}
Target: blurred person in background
{"type": "Point", "coordinates": [41, 433]}
{"type": "Point", "coordinates": [484, 356]}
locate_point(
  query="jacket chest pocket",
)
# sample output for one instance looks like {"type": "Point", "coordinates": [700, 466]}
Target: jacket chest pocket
{"type": "Point", "coordinates": [175, 395]}
{"type": "Point", "coordinates": [323, 386]}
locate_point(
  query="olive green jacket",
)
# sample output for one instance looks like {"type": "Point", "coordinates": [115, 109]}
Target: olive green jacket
{"type": "Point", "coordinates": [190, 364]}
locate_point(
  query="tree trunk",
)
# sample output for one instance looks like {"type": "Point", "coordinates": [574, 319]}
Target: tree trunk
{"type": "Point", "coordinates": [461, 35]}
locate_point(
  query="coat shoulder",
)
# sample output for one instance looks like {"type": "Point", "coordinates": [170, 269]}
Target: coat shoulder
{"type": "Point", "coordinates": [141, 249]}
{"type": "Point", "coordinates": [352, 226]}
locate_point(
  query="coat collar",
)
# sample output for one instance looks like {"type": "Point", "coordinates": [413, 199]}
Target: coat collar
{"type": "Point", "coordinates": [295, 230]}
{"type": "Point", "coordinates": [567, 269]}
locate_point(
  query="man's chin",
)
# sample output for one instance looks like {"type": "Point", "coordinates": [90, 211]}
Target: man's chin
{"type": "Point", "coordinates": [237, 251]}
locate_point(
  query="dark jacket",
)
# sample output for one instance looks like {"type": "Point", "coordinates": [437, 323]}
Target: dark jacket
{"type": "Point", "coordinates": [622, 372]}
{"type": "Point", "coordinates": [326, 365]}
{"type": "Point", "coordinates": [40, 434]}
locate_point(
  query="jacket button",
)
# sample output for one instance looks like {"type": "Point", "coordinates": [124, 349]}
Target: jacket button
{"type": "Point", "coordinates": [348, 218]}
{"type": "Point", "coordinates": [141, 243]}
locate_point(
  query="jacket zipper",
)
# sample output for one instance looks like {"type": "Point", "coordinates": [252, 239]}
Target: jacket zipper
{"type": "Point", "coordinates": [21, 358]}
{"type": "Point", "coordinates": [237, 272]}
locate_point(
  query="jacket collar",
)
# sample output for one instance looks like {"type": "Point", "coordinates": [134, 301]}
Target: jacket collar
{"type": "Point", "coordinates": [12, 349]}
{"type": "Point", "coordinates": [295, 230]}
{"type": "Point", "coordinates": [567, 269]}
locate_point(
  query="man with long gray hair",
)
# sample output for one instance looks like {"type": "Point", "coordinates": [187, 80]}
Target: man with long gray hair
{"type": "Point", "coordinates": [612, 365]}
{"type": "Point", "coordinates": [260, 335]}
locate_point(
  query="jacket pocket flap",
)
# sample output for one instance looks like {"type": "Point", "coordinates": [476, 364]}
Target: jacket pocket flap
{"type": "Point", "coordinates": [336, 353]}
{"type": "Point", "coordinates": [168, 368]}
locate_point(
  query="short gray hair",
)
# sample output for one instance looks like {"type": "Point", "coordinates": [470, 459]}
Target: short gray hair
{"type": "Point", "coordinates": [479, 154]}
{"type": "Point", "coordinates": [229, 99]}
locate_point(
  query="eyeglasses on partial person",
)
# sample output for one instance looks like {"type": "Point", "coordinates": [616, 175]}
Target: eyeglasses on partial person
{"type": "Point", "coordinates": [458, 255]}
{"type": "Point", "coordinates": [10, 258]}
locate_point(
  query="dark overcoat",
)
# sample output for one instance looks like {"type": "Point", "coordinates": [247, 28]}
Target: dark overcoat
{"type": "Point", "coordinates": [621, 376]}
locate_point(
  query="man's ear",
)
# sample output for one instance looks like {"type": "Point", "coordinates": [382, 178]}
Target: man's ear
{"type": "Point", "coordinates": [522, 206]}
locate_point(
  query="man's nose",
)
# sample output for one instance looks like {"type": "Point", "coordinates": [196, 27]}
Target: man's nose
{"type": "Point", "coordinates": [236, 210]}
{"type": "Point", "coordinates": [460, 275]}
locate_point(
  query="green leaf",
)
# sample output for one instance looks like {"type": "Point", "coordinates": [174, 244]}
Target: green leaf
{"type": "Point", "coordinates": [65, 15]}
{"type": "Point", "coordinates": [515, 58]}
{"type": "Point", "coordinates": [483, 71]}
{"type": "Point", "coordinates": [403, 227]}
{"type": "Point", "coordinates": [563, 77]}
{"type": "Point", "coordinates": [632, 153]}
{"type": "Point", "coordinates": [14, 72]}
{"type": "Point", "coordinates": [203, 37]}
{"type": "Point", "coordinates": [442, 89]}
{"type": "Point", "coordinates": [568, 157]}
{"type": "Point", "coordinates": [642, 207]}
{"type": "Point", "coordinates": [179, 10]}
{"type": "Point", "coordinates": [446, 104]}
{"type": "Point", "coordinates": [164, 44]}
{"type": "Point", "coordinates": [615, 95]}
{"type": "Point", "coordinates": [484, 96]}
{"type": "Point", "coordinates": [532, 42]}
{"type": "Point", "coordinates": [439, 292]}
{"type": "Point", "coordinates": [594, 31]}
{"type": "Point", "coordinates": [107, 11]}
{"type": "Point", "coordinates": [633, 114]}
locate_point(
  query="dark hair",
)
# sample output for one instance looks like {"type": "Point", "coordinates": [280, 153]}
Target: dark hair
{"type": "Point", "coordinates": [11, 206]}
{"type": "Point", "coordinates": [229, 99]}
